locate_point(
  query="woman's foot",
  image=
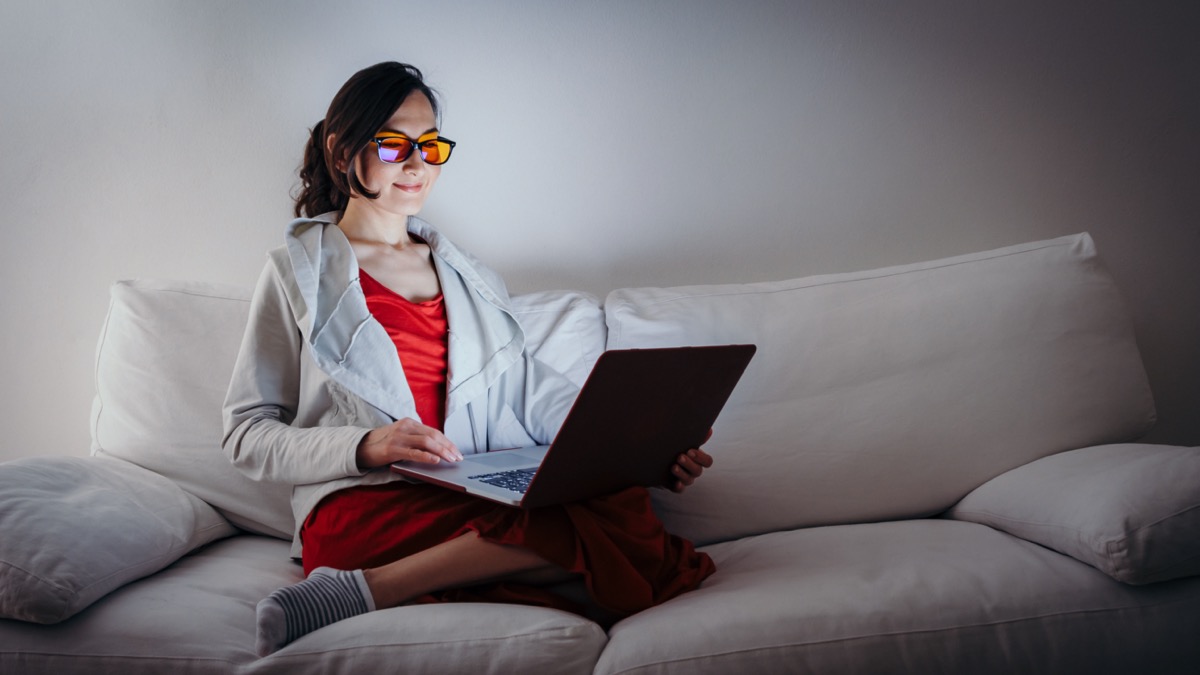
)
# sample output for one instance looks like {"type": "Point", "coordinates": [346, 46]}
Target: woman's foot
{"type": "Point", "coordinates": [326, 596]}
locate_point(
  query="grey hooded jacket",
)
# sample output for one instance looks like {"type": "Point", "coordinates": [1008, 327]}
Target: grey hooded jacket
{"type": "Point", "coordinates": [316, 372]}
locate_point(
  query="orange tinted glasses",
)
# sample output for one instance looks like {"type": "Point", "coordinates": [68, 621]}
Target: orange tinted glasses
{"type": "Point", "coordinates": [395, 149]}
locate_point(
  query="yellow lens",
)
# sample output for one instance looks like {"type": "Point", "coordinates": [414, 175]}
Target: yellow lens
{"type": "Point", "coordinates": [435, 152]}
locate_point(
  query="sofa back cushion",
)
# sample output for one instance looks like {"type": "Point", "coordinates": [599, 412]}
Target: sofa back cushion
{"type": "Point", "coordinates": [163, 364]}
{"type": "Point", "coordinates": [892, 393]}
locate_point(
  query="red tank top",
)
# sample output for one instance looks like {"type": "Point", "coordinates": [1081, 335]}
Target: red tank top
{"type": "Point", "coordinates": [418, 330]}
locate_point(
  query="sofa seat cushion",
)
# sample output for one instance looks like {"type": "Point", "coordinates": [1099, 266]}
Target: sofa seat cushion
{"type": "Point", "coordinates": [892, 393]}
{"type": "Point", "coordinates": [908, 597]}
{"type": "Point", "coordinates": [1129, 510]}
{"type": "Point", "coordinates": [197, 616]}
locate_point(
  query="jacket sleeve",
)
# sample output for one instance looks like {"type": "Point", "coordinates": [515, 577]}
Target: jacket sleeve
{"type": "Point", "coordinates": [264, 397]}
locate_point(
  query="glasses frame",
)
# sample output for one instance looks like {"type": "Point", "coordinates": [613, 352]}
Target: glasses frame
{"type": "Point", "coordinates": [413, 145]}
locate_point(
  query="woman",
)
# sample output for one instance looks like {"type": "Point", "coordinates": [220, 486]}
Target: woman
{"type": "Point", "coordinates": [319, 399]}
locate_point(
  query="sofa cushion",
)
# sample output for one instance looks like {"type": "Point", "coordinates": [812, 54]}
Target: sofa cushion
{"type": "Point", "coordinates": [163, 366]}
{"type": "Point", "coordinates": [920, 596]}
{"type": "Point", "coordinates": [1131, 511]}
{"type": "Point", "coordinates": [893, 393]}
{"type": "Point", "coordinates": [197, 616]}
{"type": "Point", "coordinates": [564, 329]}
{"type": "Point", "coordinates": [73, 529]}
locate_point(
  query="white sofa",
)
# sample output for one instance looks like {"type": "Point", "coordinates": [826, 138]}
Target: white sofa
{"type": "Point", "coordinates": [926, 469]}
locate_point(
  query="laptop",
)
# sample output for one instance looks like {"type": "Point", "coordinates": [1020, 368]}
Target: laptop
{"type": "Point", "coordinates": [637, 411]}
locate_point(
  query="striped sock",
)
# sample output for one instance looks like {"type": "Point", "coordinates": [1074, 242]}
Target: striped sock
{"type": "Point", "coordinates": [326, 596]}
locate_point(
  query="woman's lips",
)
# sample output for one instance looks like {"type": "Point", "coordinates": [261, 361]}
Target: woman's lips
{"type": "Point", "coordinates": [408, 187]}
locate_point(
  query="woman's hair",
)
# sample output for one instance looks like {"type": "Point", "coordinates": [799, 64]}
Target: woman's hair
{"type": "Point", "coordinates": [361, 107]}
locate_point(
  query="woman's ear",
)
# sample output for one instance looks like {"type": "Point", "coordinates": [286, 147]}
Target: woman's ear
{"type": "Point", "coordinates": [339, 162]}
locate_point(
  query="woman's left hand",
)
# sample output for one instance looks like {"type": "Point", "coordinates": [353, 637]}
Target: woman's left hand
{"type": "Point", "coordinates": [689, 466]}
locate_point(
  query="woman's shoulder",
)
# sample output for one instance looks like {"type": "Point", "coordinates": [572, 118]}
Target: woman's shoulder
{"type": "Point", "coordinates": [309, 227]}
{"type": "Point", "coordinates": [312, 253]}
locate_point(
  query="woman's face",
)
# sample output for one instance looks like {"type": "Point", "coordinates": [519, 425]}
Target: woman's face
{"type": "Point", "coordinates": [403, 187]}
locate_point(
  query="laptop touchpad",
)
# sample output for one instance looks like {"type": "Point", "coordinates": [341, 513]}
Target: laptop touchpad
{"type": "Point", "coordinates": [500, 459]}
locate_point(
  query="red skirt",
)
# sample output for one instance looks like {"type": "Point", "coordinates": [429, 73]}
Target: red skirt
{"type": "Point", "coordinates": [627, 560]}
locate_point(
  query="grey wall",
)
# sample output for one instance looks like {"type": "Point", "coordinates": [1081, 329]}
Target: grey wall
{"type": "Point", "coordinates": [683, 142]}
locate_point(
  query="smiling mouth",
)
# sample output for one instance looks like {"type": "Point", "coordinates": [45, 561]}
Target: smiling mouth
{"type": "Point", "coordinates": [409, 187]}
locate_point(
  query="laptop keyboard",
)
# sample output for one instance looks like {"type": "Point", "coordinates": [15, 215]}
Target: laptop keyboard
{"type": "Point", "coordinates": [516, 480]}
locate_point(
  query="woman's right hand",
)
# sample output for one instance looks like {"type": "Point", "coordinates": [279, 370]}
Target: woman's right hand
{"type": "Point", "coordinates": [405, 439]}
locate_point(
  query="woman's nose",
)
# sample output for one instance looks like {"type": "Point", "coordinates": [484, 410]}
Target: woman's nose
{"type": "Point", "coordinates": [414, 164]}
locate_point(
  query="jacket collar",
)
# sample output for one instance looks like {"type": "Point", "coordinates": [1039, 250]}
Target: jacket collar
{"type": "Point", "coordinates": [347, 343]}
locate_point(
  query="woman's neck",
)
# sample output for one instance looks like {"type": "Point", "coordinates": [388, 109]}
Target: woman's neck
{"type": "Point", "coordinates": [367, 225]}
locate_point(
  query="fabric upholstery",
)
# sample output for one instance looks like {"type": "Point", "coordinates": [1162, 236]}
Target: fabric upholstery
{"type": "Point", "coordinates": [73, 529]}
{"type": "Point", "coordinates": [163, 364]}
{"type": "Point", "coordinates": [1131, 511]}
{"type": "Point", "coordinates": [563, 328]}
{"type": "Point", "coordinates": [921, 596]}
{"type": "Point", "coordinates": [197, 616]}
{"type": "Point", "coordinates": [892, 393]}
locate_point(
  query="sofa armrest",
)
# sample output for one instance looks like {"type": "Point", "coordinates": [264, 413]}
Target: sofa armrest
{"type": "Point", "coordinates": [1130, 510]}
{"type": "Point", "coordinates": [77, 528]}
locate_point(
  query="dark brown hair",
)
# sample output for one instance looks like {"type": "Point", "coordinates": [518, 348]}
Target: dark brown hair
{"type": "Point", "coordinates": [361, 107]}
